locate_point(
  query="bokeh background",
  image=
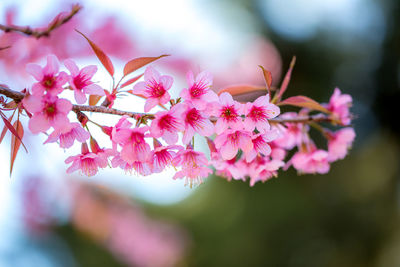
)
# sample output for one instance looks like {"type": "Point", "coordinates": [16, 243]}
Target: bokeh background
{"type": "Point", "coordinates": [349, 217]}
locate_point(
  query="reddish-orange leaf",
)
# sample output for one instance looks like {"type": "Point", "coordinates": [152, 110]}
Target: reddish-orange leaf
{"type": "Point", "coordinates": [286, 80]}
{"type": "Point", "coordinates": [241, 89]}
{"type": "Point", "coordinates": [130, 81]}
{"type": "Point", "coordinates": [3, 133]}
{"type": "Point", "coordinates": [104, 59]}
{"type": "Point", "coordinates": [16, 142]}
{"type": "Point", "coordinates": [304, 102]}
{"type": "Point", "coordinates": [12, 129]}
{"type": "Point", "coordinates": [267, 77]}
{"type": "Point", "coordinates": [94, 99]}
{"type": "Point", "coordinates": [137, 63]}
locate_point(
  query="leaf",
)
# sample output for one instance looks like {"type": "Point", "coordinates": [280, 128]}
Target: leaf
{"type": "Point", "coordinates": [3, 133]}
{"type": "Point", "coordinates": [16, 142]}
{"type": "Point", "coordinates": [94, 99]}
{"type": "Point", "coordinates": [241, 89]}
{"type": "Point", "coordinates": [286, 80]}
{"type": "Point", "coordinates": [130, 81]}
{"type": "Point", "coordinates": [104, 59]}
{"type": "Point", "coordinates": [304, 102]}
{"type": "Point", "coordinates": [139, 62]}
{"type": "Point", "coordinates": [12, 129]}
{"type": "Point", "coordinates": [267, 77]}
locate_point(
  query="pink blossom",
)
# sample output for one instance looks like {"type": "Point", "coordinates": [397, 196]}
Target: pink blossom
{"type": "Point", "coordinates": [228, 112]}
{"type": "Point", "coordinates": [134, 147]}
{"type": "Point", "coordinates": [80, 81]}
{"type": "Point", "coordinates": [195, 122]}
{"type": "Point", "coordinates": [263, 169]}
{"type": "Point", "coordinates": [231, 141]}
{"type": "Point", "coordinates": [88, 162]}
{"type": "Point", "coordinates": [339, 143]}
{"type": "Point", "coordinates": [49, 80]}
{"type": "Point", "coordinates": [315, 161]}
{"type": "Point", "coordinates": [198, 91]}
{"type": "Point", "coordinates": [141, 167]}
{"type": "Point", "coordinates": [260, 144]}
{"type": "Point", "coordinates": [339, 105]}
{"type": "Point", "coordinates": [193, 166]}
{"type": "Point", "coordinates": [167, 124]}
{"type": "Point", "coordinates": [68, 136]}
{"type": "Point", "coordinates": [47, 111]}
{"type": "Point", "coordinates": [155, 88]}
{"type": "Point", "coordinates": [292, 134]}
{"type": "Point", "coordinates": [229, 169]}
{"type": "Point", "coordinates": [162, 156]}
{"type": "Point", "coordinates": [258, 113]}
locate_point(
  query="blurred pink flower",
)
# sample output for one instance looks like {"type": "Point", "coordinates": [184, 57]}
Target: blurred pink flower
{"type": "Point", "coordinates": [68, 135]}
{"type": "Point", "coordinates": [339, 143]}
{"type": "Point", "coordinates": [339, 104]}
{"type": "Point", "coordinates": [315, 161]}
{"type": "Point", "coordinates": [229, 143]}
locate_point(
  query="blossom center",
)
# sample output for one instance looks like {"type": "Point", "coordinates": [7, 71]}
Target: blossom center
{"type": "Point", "coordinates": [50, 109]}
{"type": "Point", "coordinates": [229, 113]}
{"type": "Point", "coordinates": [257, 114]}
{"type": "Point", "coordinates": [155, 89]}
{"type": "Point", "coordinates": [167, 122]}
{"type": "Point", "coordinates": [81, 81]}
{"type": "Point", "coordinates": [193, 117]}
{"type": "Point", "coordinates": [198, 89]}
{"type": "Point", "coordinates": [48, 81]}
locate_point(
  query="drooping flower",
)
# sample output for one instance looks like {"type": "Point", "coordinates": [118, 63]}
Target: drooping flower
{"type": "Point", "coordinates": [314, 161]}
{"type": "Point", "coordinates": [73, 132]}
{"type": "Point", "coordinates": [228, 112]}
{"type": "Point", "coordinates": [261, 144]}
{"type": "Point", "coordinates": [195, 122]}
{"type": "Point", "coordinates": [80, 81]}
{"type": "Point", "coordinates": [88, 162]}
{"type": "Point", "coordinates": [229, 143]}
{"type": "Point", "coordinates": [47, 111]}
{"type": "Point", "coordinates": [339, 143]}
{"type": "Point", "coordinates": [162, 156]}
{"type": "Point", "coordinates": [198, 91]}
{"type": "Point", "coordinates": [141, 167]}
{"type": "Point", "coordinates": [155, 88]}
{"type": "Point", "coordinates": [339, 104]}
{"type": "Point", "coordinates": [292, 134]}
{"type": "Point", "coordinates": [49, 79]}
{"type": "Point", "coordinates": [167, 124]}
{"type": "Point", "coordinates": [134, 146]}
{"type": "Point", "coordinates": [258, 113]}
{"type": "Point", "coordinates": [193, 165]}
{"type": "Point", "coordinates": [262, 169]}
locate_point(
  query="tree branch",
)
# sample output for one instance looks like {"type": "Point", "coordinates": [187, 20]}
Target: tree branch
{"type": "Point", "coordinates": [18, 96]}
{"type": "Point", "coordinates": [56, 22]}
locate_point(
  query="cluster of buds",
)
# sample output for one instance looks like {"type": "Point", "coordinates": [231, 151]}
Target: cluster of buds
{"type": "Point", "coordinates": [246, 140]}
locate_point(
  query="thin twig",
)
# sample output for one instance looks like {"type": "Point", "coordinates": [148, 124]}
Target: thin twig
{"type": "Point", "coordinates": [56, 22]}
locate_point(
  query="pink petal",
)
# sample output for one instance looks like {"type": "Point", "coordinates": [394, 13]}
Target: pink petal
{"type": "Point", "coordinates": [204, 77]}
{"type": "Point", "coordinates": [187, 135]}
{"type": "Point", "coordinates": [228, 152]}
{"type": "Point", "coordinates": [170, 137]}
{"type": "Point", "coordinates": [150, 103]}
{"type": "Point", "coordinates": [35, 70]}
{"type": "Point", "coordinates": [33, 103]}
{"type": "Point", "coordinates": [52, 66]}
{"type": "Point", "coordinates": [226, 99]}
{"type": "Point", "coordinates": [80, 97]}
{"type": "Point", "coordinates": [166, 81]}
{"type": "Point", "coordinates": [38, 123]}
{"type": "Point", "coordinates": [63, 105]}
{"type": "Point", "coordinates": [94, 89]}
{"type": "Point", "coordinates": [190, 78]}
{"type": "Point", "coordinates": [89, 71]}
{"type": "Point", "coordinates": [72, 67]}
{"type": "Point", "coordinates": [208, 128]}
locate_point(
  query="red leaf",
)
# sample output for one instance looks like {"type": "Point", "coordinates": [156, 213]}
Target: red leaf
{"type": "Point", "coordinates": [94, 99]}
{"type": "Point", "coordinates": [130, 81]}
{"type": "Point", "coordinates": [267, 77]}
{"type": "Point", "coordinates": [304, 102]}
{"type": "Point", "coordinates": [16, 142]}
{"type": "Point", "coordinates": [286, 80]}
{"type": "Point", "coordinates": [12, 129]}
{"type": "Point", "coordinates": [104, 59]}
{"type": "Point", "coordinates": [241, 89]}
{"type": "Point", "coordinates": [137, 63]}
{"type": "Point", "coordinates": [3, 133]}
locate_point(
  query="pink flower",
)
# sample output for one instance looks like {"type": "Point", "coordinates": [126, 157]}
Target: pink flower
{"type": "Point", "coordinates": [47, 111]}
{"type": "Point", "coordinates": [49, 80]}
{"type": "Point", "coordinates": [167, 124]}
{"type": "Point", "coordinates": [339, 105]}
{"type": "Point", "coordinates": [231, 141]}
{"type": "Point", "coordinates": [315, 161]}
{"type": "Point", "coordinates": [263, 169]}
{"type": "Point", "coordinates": [154, 88]}
{"type": "Point", "coordinates": [228, 112]}
{"type": "Point", "coordinates": [195, 122]}
{"type": "Point", "coordinates": [134, 147]}
{"type": "Point", "coordinates": [260, 144]}
{"type": "Point", "coordinates": [162, 156]}
{"type": "Point", "coordinates": [339, 143]}
{"type": "Point", "coordinates": [88, 162]}
{"type": "Point", "coordinates": [258, 113]}
{"type": "Point", "coordinates": [292, 134]}
{"type": "Point", "coordinates": [229, 169]}
{"type": "Point", "coordinates": [80, 81]}
{"type": "Point", "coordinates": [198, 92]}
{"type": "Point", "coordinates": [141, 167]}
{"type": "Point", "coordinates": [193, 166]}
{"type": "Point", "coordinates": [68, 136]}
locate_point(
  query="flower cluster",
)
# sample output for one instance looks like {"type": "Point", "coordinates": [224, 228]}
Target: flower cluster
{"type": "Point", "coordinates": [246, 140]}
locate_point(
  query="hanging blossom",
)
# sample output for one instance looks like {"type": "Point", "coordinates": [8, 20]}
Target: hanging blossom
{"type": "Point", "coordinates": [339, 143]}
{"type": "Point", "coordinates": [258, 113]}
{"type": "Point", "coordinates": [339, 104]}
{"type": "Point", "coordinates": [67, 136]}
